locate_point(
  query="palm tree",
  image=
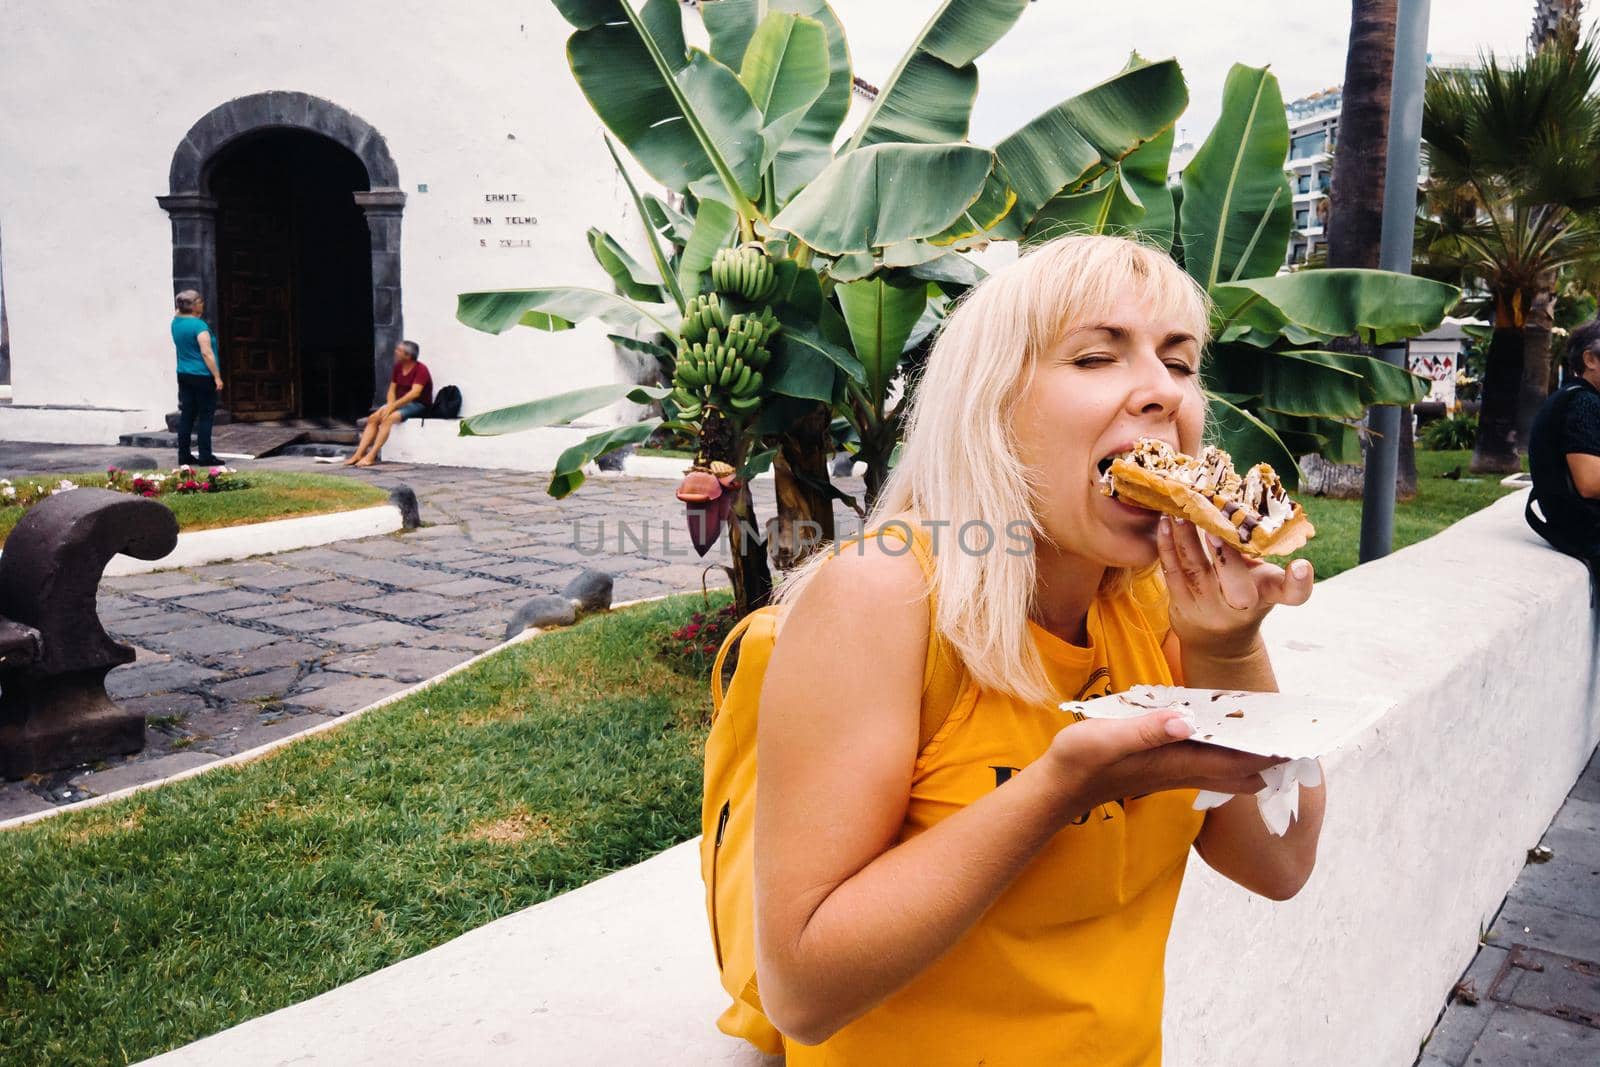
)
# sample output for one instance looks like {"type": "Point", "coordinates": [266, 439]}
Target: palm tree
{"type": "Point", "coordinates": [1355, 225]}
{"type": "Point", "coordinates": [1511, 199]}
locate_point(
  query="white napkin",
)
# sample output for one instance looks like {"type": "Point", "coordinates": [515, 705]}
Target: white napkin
{"type": "Point", "coordinates": [1279, 799]}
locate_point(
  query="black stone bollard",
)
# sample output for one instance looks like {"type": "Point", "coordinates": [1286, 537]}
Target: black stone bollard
{"type": "Point", "coordinates": [543, 612]}
{"type": "Point", "coordinates": [54, 711]}
{"type": "Point", "coordinates": [402, 497]}
{"type": "Point", "coordinates": [589, 591]}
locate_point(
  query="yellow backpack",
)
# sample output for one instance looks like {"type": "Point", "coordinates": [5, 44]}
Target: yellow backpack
{"type": "Point", "coordinates": [727, 813]}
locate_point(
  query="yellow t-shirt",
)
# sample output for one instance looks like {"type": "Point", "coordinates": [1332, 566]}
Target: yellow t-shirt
{"type": "Point", "coordinates": [1066, 967]}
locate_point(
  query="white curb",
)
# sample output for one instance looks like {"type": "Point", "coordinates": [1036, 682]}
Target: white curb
{"type": "Point", "coordinates": [263, 538]}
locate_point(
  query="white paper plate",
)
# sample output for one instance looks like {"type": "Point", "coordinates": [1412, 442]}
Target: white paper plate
{"type": "Point", "coordinates": [1267, 724]}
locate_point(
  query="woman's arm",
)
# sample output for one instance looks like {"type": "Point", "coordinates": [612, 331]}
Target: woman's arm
{"type": "Point", "coordinates": [845, 916]}
{"type": "Point", "coordinates": [1235, 841]}
{"type": "Point", "coordinates": [204, 338]}
{"type": "Point", "coordinates": [1217, 608]}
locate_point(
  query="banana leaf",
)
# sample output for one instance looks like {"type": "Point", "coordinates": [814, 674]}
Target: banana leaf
{"type": "Point", "coordinates": [1080, 138]}
{"type": "Point", "coordinates": [683, 115]}
{"type": "Point", "coordinates": [1109, 205]}
{"type": "Point", "coordinates": [1378, 307]}
{"type": "Point", "coordinates": [928, 99]}
{"type": "Point", "coordinates": [880, 317]}
{"type": "Point", "coordinates": [663, 268]}
{"type": "Point", "coordinates": [1381, 382]}
{"type": "Point", "coordinates": [1248, 440]}
{"type": "Point", "coordinates": [669, 220]}
{"type": "Point", "coordinates": [886, 194]}
{"type": "Point", "coordinates": [556, 410]}
{"type": "Point", "coordinates": [714, 227]}
{"type": "Point", "coordinates": [731, 24]}
{"type": "Point", "coordinates": [785, 70]}
{"type": "Point", "coordinates": [568, 475]}
{"type": "Point", "coordinates": [1236, 198]}
{"type": "Point", "coordinates": [559, 308]}
{"type": "Point", "coordinates": [632, 278]}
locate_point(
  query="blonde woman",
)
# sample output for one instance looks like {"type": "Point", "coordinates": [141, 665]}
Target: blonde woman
{"type": "Point", "coordinates": [1002, 893]}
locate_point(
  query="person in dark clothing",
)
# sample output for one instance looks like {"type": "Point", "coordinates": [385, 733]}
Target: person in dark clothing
{"type": "Point", "coordinates": [1564, 455]}
{"type": "Point", "coordinates": [199, 379]}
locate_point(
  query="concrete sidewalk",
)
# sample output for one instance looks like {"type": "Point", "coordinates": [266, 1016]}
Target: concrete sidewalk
{"type": "Point", "coordinates": [1532, 995]}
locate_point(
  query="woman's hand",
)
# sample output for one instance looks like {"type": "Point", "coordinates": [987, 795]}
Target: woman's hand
{"type": "Point", "coordinates": [1102, 760]}
{"type": "Point", "coordinates": [1217, 604]}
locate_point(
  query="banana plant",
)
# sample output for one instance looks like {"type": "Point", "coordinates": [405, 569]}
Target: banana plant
{"type": "Point", "coordinates": [1275, 391]}
{"type": "Point", "coordinates": [834, 261]}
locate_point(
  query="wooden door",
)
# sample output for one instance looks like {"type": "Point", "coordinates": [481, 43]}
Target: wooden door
{"type": "Point", "coordinates": [255, 252]}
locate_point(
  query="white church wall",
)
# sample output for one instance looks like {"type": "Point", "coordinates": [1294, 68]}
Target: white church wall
{"type": "Point", "coordinates": [474, 101]}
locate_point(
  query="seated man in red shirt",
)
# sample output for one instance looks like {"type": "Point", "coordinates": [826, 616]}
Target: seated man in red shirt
{"type": "Point", "coordinates": [410, 394]}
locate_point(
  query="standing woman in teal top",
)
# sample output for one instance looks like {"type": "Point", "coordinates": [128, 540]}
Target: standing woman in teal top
{"type": "Point", "coordinates": [199, 379]}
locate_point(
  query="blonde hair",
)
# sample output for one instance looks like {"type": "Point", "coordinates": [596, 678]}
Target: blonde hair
{"type": "Point", "coordinates": [959, 461]}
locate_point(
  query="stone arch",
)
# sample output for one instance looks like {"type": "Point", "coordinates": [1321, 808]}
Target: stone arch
{"type": "Point", "coordinates": [193, 211]}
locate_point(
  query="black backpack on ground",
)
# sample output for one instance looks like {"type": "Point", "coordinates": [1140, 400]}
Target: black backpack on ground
{"type": "Point", "coordinates": [446, 403]}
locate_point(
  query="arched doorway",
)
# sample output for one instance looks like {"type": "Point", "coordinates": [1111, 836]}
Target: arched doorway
{"type": "Point", "coordinates": [285, 216]}
{"type": "Point", "coordinates": [293, 311]}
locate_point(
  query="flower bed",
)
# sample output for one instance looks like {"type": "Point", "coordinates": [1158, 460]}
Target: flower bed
{"type": "Point", "coordinates": [201, 498]}
{"type": "Point", "coordinates": [27, 492]}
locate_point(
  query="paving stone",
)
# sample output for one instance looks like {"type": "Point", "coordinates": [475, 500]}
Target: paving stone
{"type": "Point", "coordinates": [1560, 986]}
{"type": "Point", "coordinates": [521, 569]}
{"type": "Point", "coordinates": [166, 621]}
{"type": "Point", "coordinates": [16, 799]}
{"type": "Point", "coordinates": [410, 605]}
{"type": "Point", "coordinates": [156, 679]}
{"type": "Point", "coordinates": [1588, 787]}
{"type": "Point", "coordinates": [336, 592]}
{"type": "Point", "coordinates": [459, 642]}
{"type": "Point", "coordinates": [485, 621]}
{"type": "Point", "coordinates": [318, 619]}
{"type": "Point", "coordinates": [433, 533]}
{"type": "Point", "coordinates": [278, 606]}
{"type": "Point", "coordinates": [684, 577]}
{"type": "Point", "coordinates": [409, 665]}
{"type": "Point", "coordinates": [1461, 1024]}
{"type": "Point", "coordinates": [377, 633]}
{"type": "Point", "coordinates": [257, 734]}
{"type": "Point", "coordinates": [1570, 880]}
{"type": "Point", "coordinates": [271, 578]}
{"type": "Point", "coordinates": [631, 588]}
{"type": "Point", "coordinates": [465, 587]}
{"type": "Point", "coordinates": [268, 685]}
{"type": "Point", "coordinates": [138, 772]}
{"type": "Point", "coordinates": [388, 572]}
{"type": "Point", "coordinates": [183, 587]}
{"type": "Point", "coordinates": [210, 639]}
{"type": "Point", "coordinates": [1523, 922]}
{"type": "Point", "coordinates": [166, 705]}
{"type": "Point", "coordinates": [1518, 1038]}
{"type": "Point", "coordinates": [345, 695]}
{"type": "Point", "coordinates": [374, 547]}
{"type": "Point", "coordinates": [278, 654]}
{"type": "Point", "coordinates": [226, 599]}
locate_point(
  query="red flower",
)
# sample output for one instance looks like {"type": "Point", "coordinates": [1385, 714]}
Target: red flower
{"type": "Point", "coordinates": [148, 492]}
{"type": "Point", "coordinates": [709, 650]}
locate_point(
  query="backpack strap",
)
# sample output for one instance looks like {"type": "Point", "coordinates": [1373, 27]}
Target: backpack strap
{"type": "Point", "coordinates": [943, 676]}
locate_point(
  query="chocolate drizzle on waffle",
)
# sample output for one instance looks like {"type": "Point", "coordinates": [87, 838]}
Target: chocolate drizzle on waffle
{"type": "Point", "coordinates": [1255, 502]}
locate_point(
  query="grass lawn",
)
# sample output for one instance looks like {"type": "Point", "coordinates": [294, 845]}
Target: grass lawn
{"type": "Point", "coordinates": [266, 495]}
{"type": "Point", "coordinates": [1439, 502]}
{"type": "Point", "coordinates": [138, 926]}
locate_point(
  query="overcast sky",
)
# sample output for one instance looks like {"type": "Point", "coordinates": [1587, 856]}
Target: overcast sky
{"type": "Point", "coordinates": [1060, 47]}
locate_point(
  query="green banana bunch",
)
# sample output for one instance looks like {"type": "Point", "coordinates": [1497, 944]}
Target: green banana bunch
{"type": "Point", "coordinates": [701, 314]}
{"type": "Point", "coordinates": [746, 272]}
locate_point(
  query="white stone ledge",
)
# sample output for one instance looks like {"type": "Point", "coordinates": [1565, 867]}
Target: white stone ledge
{"type": "Point", "coordinates": [74, 425]}
{"type": "Point", "coordinates": [263, 538]}
{"type": "Point", "coordinates": [1482, 635]}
